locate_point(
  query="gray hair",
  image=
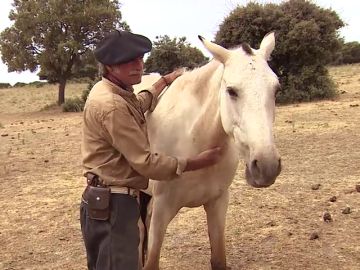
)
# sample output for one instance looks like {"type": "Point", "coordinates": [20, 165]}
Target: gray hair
{"type": "Point", "coordinates": [103, 71]}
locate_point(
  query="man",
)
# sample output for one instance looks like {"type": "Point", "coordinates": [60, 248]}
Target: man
{"type": "Point", "coordinates": [116, 154]}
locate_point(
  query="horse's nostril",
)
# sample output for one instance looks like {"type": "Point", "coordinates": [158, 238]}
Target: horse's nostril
{"type": "Point", "coordinates": [254, 165]}
{"type": "Point", "coordinates": [279, 166]}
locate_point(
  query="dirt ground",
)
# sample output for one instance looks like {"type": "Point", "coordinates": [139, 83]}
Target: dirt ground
{"type": "Point", "coordinates": [271, 228]}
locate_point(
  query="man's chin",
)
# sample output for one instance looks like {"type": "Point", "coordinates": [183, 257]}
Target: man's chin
{"type": "Point", "coordinates": [135, 79]}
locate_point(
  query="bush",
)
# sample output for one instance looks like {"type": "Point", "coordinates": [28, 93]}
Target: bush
{"type": "Point", "coordinates": [304, 86]}
{"type": "Point", "coordinates": [5, 85]}
{"type": "Point", "coordinates": [168, 54]}
{"type": "Point", "coordinates": [350, 53]}
{"type": "Point", "coordinates": [306, 41]}
{"type": "Point", "coordinates": [73, 105]}
{"type": "Point", "coordinates": [19, 84]}
{"type": "Point", "coordinates": [80, 80]}
{"type": "Point", "coordinates": [77, 104]}
{"type": "Point", "coordinates": [37, 84]}
{"type": "Point", "coordinates": [86, 92]}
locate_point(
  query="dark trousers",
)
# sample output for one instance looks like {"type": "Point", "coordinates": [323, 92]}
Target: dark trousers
{"type": "Point", "coordinates": [112, 244]}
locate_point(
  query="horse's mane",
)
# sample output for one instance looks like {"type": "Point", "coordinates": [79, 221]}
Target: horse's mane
{"type": "Point", "coordinates": [200, 74]}
{"type": "Point", "coordinates": [198, 80]}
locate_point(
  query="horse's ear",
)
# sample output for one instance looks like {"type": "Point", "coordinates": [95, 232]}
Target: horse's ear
{"type": "Point", "coordinates": [267, 45]}
{"type": "Point", "coordinates": [217, 51]}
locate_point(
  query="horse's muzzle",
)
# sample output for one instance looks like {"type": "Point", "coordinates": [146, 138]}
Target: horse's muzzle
{"type": "Point", "coordinates": [263, 170]}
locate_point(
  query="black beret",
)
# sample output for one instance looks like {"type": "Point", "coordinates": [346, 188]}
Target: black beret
{"type": "Point", "coordinates": [121, 47]}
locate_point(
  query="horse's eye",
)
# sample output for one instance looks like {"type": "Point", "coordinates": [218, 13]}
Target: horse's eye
{"type": "Point", "coordinates": [232, 93]}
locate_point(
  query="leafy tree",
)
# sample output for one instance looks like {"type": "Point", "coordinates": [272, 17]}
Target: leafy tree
{"type": "Point", "coordinates": [306, 36]}
{"type": "Point", "coordinates": [350, 53]}
{"type": "Point", "coordinates": [168, 54]}
{"type": "Point", "coordinates": [53, 35]}
{"type": "Point", "coordinates": [86, 66]}
{"type": "Point", "coordinates": [5, 85]}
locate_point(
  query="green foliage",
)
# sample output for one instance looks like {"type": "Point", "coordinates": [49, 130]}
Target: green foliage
{"type": "Point", "coordinates": [37, 84]}
{"type": "Point", "coordinates": [56, 38]}
{"type": "Point", "coordinates": [77, 104]}
{"type": "Point", "coordinates": [19, 84]}
{"type": "Point", "coordinates": [349, 54]}
{"type": "Point", "coordinates": [86, 66]}
{"type": "Point", "coordinates": [73, 105]}
{"type": "Point", "coordinates": [306, 41]}
{"type": "Point", "coordinates": [5, 85]}
{"type": "Point", "coordinates": [86, 92]}
{"type": "Point", "coordinates": [304, 86]}
{"type": "Point", "coordinates": [168, 54]}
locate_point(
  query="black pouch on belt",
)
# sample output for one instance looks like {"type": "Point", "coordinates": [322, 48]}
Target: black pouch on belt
{"type": "Point", "coordinates": [98, 202]}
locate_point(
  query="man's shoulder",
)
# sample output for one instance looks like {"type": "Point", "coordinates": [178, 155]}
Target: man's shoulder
{"type": "Point", "coordinates": [102, 97]}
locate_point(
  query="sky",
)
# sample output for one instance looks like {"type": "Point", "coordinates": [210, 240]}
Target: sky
{"type": "Point", "coordinates": [188, 18]}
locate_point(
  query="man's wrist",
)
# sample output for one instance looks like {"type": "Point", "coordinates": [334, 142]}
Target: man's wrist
{"type": "Point", "coordinates": [167, 82]}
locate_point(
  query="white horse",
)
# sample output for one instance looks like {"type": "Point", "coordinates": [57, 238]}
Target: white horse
{"type": "Point", "coordinates": [229, 102]}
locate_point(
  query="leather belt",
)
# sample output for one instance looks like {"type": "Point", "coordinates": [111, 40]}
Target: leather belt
{"type": "Point", "coordinates": [124, 190]}
{"type": "Point", "coordinates": [115, 190]}
{"type": "Point", "coordinates": [94, 180]}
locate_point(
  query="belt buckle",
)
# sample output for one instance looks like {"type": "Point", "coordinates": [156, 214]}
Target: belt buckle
{"type": "Point", "coordinates": [132, 192]}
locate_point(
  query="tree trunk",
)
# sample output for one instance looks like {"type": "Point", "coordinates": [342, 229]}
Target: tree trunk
{"type": "Point", "coordinates": [61, 97]}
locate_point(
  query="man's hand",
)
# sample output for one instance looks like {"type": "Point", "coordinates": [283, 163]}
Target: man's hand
{"type": "Point", "coordinates": [166, 80]}
{"type": "Point", "coordinates": [170, 77]}
{"type": "Point", "coordinates": [204, 159]}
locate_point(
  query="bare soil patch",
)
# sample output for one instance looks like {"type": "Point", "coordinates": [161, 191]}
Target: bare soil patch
{"type": "Point", "coordinates": [281, 227]}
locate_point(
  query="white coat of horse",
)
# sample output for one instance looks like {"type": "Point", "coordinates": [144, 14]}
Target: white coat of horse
{"type": "Point", "coordinates": [229, 102]}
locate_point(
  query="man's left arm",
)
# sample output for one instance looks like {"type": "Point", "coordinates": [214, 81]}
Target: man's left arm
{"type": "Point", "coordinates": [148, 98]}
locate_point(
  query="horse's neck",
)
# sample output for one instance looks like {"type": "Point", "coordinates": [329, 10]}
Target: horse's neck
{"type": "Point", "coordinates": [207, 81]}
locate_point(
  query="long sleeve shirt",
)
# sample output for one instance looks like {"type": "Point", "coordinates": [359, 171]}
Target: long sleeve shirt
{"type": "Point", "coordinates": [115, 144]}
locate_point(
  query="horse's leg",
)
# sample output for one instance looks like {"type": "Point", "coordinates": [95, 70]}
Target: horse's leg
{"type": "Point", "coordinates": [162, 214]}
{"type": "Point", "coordinates": [142, 243]}
{"type": "Point", "coordinates": [145, 202]}
{"type": "Point", "coordinates": [216, 215]}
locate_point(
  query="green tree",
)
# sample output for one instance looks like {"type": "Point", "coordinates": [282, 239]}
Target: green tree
{"type": "Point", "coordinates": [168, 54]}
{"type": "Point", "coordinates": [306, 40]}
{"type": "Point", "coordinates": [350, 53]}
{"type": "Point", "coordinates": [86, 66]}
{"type": "Point", "coordinates": [53, 35]}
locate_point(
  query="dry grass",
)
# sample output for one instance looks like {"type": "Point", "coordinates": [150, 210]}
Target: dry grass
{"type": "Point", "coordinates": [32, 99]}
{"type": "Point", "coordinates": [266, 228]}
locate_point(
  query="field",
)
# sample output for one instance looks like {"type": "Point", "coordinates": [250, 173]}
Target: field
{"type": "Point", "coordinates": [281, 227]}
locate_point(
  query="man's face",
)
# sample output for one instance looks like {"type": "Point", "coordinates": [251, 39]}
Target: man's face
{"type": "Point", "coordinates": [129, 73]}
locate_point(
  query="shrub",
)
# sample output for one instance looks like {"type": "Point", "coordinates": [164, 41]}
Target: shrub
{"type": "Point", "coordinates": [86, 92]}
{"type": "Point", "coordinates": [73, 105]}
{"type": "Point", "coordinates": [168, 54]}
{"type": "Point", "coordinates": [350, 53]}
{"type": "Point", "coordinates": [306, 41]}
{"type": "Point", "coordinates": [37, 84]}
{"type": "Point", "coordinates": [5, 85]}
{"type": "Point", "coordinates": [304, 86]}
{"type": "Point", "coordinates": [19, 84]}
{"type": "Point", "coordinates": [77, 104]}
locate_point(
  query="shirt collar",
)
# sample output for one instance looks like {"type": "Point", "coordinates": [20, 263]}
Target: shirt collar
{"type": "Point", "coordinates": [116, 89]}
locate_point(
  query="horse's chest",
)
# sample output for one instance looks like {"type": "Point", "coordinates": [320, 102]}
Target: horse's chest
{"type": "Point", "coordinates": [198, 188]}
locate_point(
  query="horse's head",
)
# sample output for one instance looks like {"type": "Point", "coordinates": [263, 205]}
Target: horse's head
{"type": "Point", "coordinates": [247, 106]}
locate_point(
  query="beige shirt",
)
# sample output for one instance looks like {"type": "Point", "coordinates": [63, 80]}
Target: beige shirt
{"type": "Point", "coordinates": [115, 143]}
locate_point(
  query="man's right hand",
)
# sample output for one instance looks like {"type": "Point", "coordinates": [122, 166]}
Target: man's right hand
{"type": "Point", "coordinates": [170, 77]}
{"type": "Point", "coordinates": [204, 159]}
